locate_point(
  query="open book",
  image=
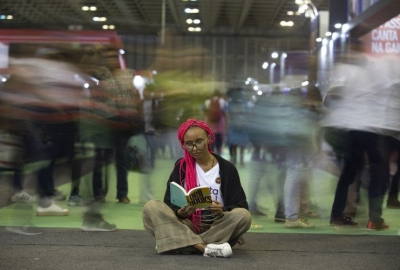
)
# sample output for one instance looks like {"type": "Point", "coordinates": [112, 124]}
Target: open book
{"type": "Point", "coordinates": [199, 197]}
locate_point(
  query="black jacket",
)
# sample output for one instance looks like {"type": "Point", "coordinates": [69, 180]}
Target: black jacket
{"type": "Point", "coordinates": [232, 192]}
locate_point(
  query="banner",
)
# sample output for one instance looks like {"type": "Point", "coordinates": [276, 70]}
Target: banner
{"type": "Point", "coordinates": [384, 39]}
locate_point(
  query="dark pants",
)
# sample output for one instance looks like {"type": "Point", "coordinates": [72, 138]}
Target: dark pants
{"type": "Point", "coordinates": [151, 147]}
{"type": "Point", "coordinates": [217, 145]}
{"type": "Point", "coordinates": [102, 160]}
{"type": "Point", "coordinates": [376, 148]}
{"type": "Point", "coordinates": [394, 185]}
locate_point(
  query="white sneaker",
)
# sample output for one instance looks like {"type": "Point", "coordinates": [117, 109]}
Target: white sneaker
{"type": "Point", "coordinates": [218, 250]}
{"type": "Point", "coordinates": [23, 196]}
{"type": "Point", "coordinates": [52, 210]}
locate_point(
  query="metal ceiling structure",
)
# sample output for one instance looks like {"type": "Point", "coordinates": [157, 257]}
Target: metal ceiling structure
{"type": "Point", "coordinates": [130, 17]}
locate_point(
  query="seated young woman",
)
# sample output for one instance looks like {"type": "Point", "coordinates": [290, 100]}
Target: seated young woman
{"type": "Point", "coordinates": [211, 231]}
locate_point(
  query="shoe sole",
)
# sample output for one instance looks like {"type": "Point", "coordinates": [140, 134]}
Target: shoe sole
{"type": "Point", "coordinates": [21, 232]}
{"type": "Point", "coordinates": [89, 229]}
{"type": "Point", "coordinates": [378, 230]}
{"type": "Point", "coordinates": [46, 214]}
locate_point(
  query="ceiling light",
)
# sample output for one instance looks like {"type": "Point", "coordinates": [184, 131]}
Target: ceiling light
{"type": "Point", "coordinates": [105, 26]}
{"type": "Point", "coordinates": [303, 8]}
{"type": "Point", "coordinates": [10, 17]}
{"type": "Point", "coordinates": [3, 79]}
{"type": "Point", "coordinates": [2, 17]}
{"type": "Point", "coordinates": [99, 19]}
{"type": "Point", "coordinates": [111, 27]}
{"type": "Point", "coordinates": [194, 29]}
{"type": "Point", "coordinates": [189, 21]}
{"type": "Point", "coordinates": [305, 83]}
{"type": "Point", "coordinates": [318, 39]}
{"type": "Point", "coordinates": [196, 21]}
{"type": "Point", "coordinates": [345, 27]}
{"type": "Point", "coordinates": [290, 13]}
{"type": "Point", "coordinates": [328, 34]}
{"type": "Point", "coordinates": [288, 23]}
{"type": "Point", "coordinates": [93, 8]}
{"type": "Point", "coordinates": [299, 2]}
{"type": "Point", "coordinates": [274, 55]}
{"type": "Point", "coordinates": [255, 87]}
{"type": "Point", "coordinates": [85, 8]}
{"type": "Point", "coordinates": [338, 25]}
{"type": "Point", "coordinates": [265, 65]}
{"type": "Point", "coordinates": [192, 10]}
{"type": "Point", "coordinates": [259, 93]}
{"type": "Point", "coordinates": [121, 51]}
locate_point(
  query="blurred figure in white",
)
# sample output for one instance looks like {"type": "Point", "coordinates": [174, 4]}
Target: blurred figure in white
{"type": "Point", "coordinates": [368, 112]}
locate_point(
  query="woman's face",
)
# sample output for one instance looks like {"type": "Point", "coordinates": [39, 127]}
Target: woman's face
{"type": "Point", "coordinates": [195, 141]}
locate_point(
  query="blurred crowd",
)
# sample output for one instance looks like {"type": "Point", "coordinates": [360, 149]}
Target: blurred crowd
{"type": "Point", "coordinates": [58, 101]}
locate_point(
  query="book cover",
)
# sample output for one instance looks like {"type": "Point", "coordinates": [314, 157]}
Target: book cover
{"type": "Point", "coordinates": [199, 197]}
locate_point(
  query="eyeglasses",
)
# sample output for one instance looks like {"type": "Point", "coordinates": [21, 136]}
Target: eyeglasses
{"type": "Point", "coordinates": [190, 146]}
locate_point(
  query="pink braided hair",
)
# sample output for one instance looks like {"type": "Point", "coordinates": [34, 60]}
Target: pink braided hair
{"type": "Point", "coordinates": [190, 170]}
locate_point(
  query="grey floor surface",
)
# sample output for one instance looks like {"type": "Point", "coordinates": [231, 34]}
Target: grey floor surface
{"type": "Point", "coordinates": [130, 249]}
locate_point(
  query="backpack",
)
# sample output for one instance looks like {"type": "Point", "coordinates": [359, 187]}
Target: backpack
{"type": "Point", "coordinates": [214, 112]}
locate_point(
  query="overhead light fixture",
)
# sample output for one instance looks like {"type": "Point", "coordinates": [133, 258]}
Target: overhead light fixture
{"type": "Point", "coordinates": [91, 8]}
{"type": "Point", "coordinates": [290, 13]}
{"type": "Point", "coordinates": [328, 34]}
{"type": "Point", "coordinates": [196, 21]}
{"type": "Point", "coordinates": [299, 2]}
{"type": "Point", "coordinates": [275, 55]}
{"type": "Point", "coordinates": [265, 65]}
{"type": "Point", "coordinates": [189, 21]}
{"type": "Point", "coordinates": [192, 10]}
{"type": "Point", "coordinates": [6, 17]}
{"type": "Point", "coordinates": [99, 19]}
{"type": "Point", "coordinates": [121, 51]}
{"type": "Point", "coordinates": [318, 39]}
{"type": "Point", "coordinates": [194, 29]}
{"type": "Point", "coordinates": [255, 87]}
{"type": "Point", "coordinates": [259, 93]}
{"type": "Point", "coordinates": [288, 23]}
{"type": "Point", "coordinates": [338, 25]}
{"type": "Point", "coordinates": [303, 8]}
{"type": "Point", "coordinates": [111, 27]}
{"type": "Point", "coordinates": [305, 83]}
{"type": "Point", "coordinates": [345, 27]}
